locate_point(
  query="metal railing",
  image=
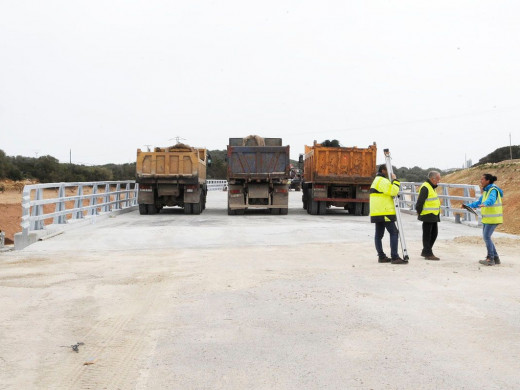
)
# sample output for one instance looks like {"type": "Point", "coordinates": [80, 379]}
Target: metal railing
{"type": "Point", "coordinates": [217, 185]}
{"type": "Point", "coordinates": [2, 239]}
{"type": "Point", "coordinates": [49, 202]}
{"type": "Point", "coordinates": [449, 193]}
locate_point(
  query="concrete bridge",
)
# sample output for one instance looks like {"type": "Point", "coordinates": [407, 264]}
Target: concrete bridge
{"type": "Point", "coordinates": [211, 301]}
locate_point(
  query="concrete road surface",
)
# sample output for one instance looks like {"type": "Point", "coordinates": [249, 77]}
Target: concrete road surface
{"type": "Point", "coordinates": [259, 301]}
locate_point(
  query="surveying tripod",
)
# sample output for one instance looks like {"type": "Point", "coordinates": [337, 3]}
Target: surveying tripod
{"type": "Point", "coordinates": [400, 229]}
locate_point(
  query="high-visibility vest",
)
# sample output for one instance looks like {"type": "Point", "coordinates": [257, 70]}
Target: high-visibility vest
{"type": "Point", "coordinates": [492, 215]}
{"type": "Point", "coordinates": [382, 192]}
{"type": "Point", "coordinates": [432, 204]}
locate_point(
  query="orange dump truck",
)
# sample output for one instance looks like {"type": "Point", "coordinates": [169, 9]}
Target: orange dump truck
{"type": "Point", "coordinates": [172, 176]}
{"type": "Point", "coordinates": [338, 176]}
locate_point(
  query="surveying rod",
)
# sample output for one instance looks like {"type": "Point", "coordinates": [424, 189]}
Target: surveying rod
{"type": "Point", "coordinates": [396, 204]}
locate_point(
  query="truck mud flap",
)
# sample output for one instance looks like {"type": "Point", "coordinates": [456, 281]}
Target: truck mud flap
{"type": "Point", "coordinates": [281, 196]}
{"type": "Point", "coordinates": [236, 199]}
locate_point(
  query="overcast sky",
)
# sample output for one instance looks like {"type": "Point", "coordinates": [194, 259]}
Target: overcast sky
{"type": "Point", "coordinates": [433, 81]}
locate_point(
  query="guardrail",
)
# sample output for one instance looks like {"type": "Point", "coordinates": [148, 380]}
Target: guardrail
{"type": "Point", "coordinates": [216, 185]}
{"type": "Point", "coordinates": [458, 193]}
{"type": "Point", "coordinates": [2, 239]}
{"type": "Point", "coordinates": [49, 203]}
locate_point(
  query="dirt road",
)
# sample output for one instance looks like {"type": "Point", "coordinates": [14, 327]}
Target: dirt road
{"type": "Point", "coordinates": [174, 301]}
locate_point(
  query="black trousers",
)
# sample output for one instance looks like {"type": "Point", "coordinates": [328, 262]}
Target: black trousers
{"type": "Point", "coordinates": [430, 231]}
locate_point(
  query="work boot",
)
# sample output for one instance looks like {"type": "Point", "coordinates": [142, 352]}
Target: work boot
{"type": "Point", "coordinates": [384, 259]}
{"type": "Point", "coordinates": [488, 261]}
{"type": "Point", "coordinates": [423, 254]}
{"type": "Point", "coordinates": [431, 257]}
{"type": "Point", "coordinates": [398, 260]}
{"type": "Point", "coordinates": [497, 260]}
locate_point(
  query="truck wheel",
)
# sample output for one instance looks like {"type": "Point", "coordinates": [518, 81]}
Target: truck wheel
{"type": "Point", "coordinates": [240, 211]}
{"type": "Point", "coordinates": [322, 208]}
{"type": "Point", "coordinates": [358, 209]}
{"type": "Point", "coordinates": [196, 208]}
{"type": "Point", "coordinates": [143, 210]}
{"type": "Point", "coordinates": [187, 208]}
{"type": "Point", "coordinates": [230, 212]}
{"type": "Point", "coordinates": [275, 211]}
{"type": "Point", "coordinates": [151, 209]}
{"type": "Point", "coordinates": [284, 211]}
{"type": "Point", "coordinates": [366, 209]}
{"type": "Point", "coordinates": [313, 206]}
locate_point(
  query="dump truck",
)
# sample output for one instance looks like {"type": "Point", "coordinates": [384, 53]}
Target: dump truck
{"type": "Point", "coordinates": [339, 177]}
{"type": "Point", "coordinates": [258, 174]}
{"type": "Point", "coordinates": [172, 176]}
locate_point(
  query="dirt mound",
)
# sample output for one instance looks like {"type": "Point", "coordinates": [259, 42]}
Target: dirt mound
{"type": "Point", "coordinates": [508, 174]}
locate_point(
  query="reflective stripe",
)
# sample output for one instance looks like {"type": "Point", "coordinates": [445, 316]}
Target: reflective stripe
{"type": "Point", "coordinates": [431, 199]}
{"type": "Point", "coordinates": [431, 208]}
{"type": "Point", "coordinates": [492, 215]}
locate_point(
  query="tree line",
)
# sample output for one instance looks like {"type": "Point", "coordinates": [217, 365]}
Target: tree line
{"type": "Point", "coordinates": [47, 169]}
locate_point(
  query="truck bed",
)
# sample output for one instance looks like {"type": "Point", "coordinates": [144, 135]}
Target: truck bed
{"type": "Point", "coordinates": [339, 164]}
{"type": "Point", "coordinates": [258, 162]}
{"type": "Point", "coordinates": [171, 163]}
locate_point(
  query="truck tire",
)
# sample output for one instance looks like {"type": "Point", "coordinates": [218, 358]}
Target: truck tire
{"type": "Point", "coordinates": [230, 212]}
{"type": "Point", "coordinates": [187, 208]}
{"type": "Point", "coordinates": [143, 210]}
{"type": "Point", "coordinates": [322, 208]}
{"type": "Point", "coordinates": [313, 206]}
{"type": "Point", "coordinates": [358, 210]}
{"type": "Point", "coordinates": [366, 209]}
{"type": "Point", "coordinates": [151, 209]}
{"type": "Point", "coordinates": [284, 211]}
{"type": "Point", "coordinates": [196, 208]}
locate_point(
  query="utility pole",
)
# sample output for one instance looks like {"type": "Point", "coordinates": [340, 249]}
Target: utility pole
{"type": "Point", "coordinates": [510, 147]}
{"type": "Point", "coordinates": [70, 156]}
{"type": "Point", "coordinates": [177, 138]}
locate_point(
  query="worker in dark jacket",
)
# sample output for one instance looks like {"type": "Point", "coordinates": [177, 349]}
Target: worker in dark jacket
{"type": "Point", "coordinates": [382, 213]}
{"type": "Point", "coordinates": [428, 208]}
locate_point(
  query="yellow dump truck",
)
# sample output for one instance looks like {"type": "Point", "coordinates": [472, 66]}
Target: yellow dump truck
{"type": "Point", "coordinates": [172, 176]}
{"type": "Point", "coordinates": [337, 176]}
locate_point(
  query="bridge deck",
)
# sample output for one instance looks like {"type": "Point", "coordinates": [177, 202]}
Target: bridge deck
{"type": "Point", "coordinates": [256, 301]}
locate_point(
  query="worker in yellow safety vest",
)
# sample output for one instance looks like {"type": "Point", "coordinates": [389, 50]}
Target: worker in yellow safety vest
{"type": "Point", "coordinates": [428, 207]}
{"type": "Point", "coordinates": [382, 213]}
{"type": "Point", "coordinates": [490, 203]}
